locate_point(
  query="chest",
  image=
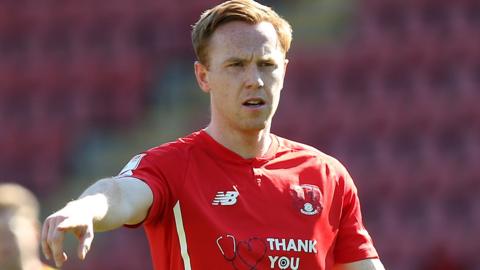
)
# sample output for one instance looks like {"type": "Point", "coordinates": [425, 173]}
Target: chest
{"type": "Point", "coordinates": [275, 215]}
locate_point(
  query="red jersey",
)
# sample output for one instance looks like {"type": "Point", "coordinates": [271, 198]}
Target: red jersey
{"type": "Point", "coordinates": [293, 208]}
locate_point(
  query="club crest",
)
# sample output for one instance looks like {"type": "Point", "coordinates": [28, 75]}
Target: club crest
{"type": "Point", "coordinates": [307, 199]}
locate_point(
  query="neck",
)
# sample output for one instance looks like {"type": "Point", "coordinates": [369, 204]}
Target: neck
{"type": "Point", "coordinates": [247, 144]}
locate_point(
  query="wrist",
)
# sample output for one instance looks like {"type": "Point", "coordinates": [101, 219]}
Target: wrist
{"type": "Point", "coordinates": [93, 206]}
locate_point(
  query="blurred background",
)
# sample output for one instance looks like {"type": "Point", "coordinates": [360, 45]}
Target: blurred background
{"type": "Point", "coordinates": [390, 88]}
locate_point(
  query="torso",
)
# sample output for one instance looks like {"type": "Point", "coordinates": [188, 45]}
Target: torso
{"type": "Point", "coordinates": [278, 212]}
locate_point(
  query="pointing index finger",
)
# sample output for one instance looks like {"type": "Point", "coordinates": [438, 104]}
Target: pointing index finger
{"type": "Point", "coordinates": [85, 241]}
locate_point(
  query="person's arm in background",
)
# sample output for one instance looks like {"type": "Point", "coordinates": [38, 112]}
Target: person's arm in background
{"type": "Point", "coordinates": [368, 264]}
{"type": "Point", "coordinates": [105, 205]}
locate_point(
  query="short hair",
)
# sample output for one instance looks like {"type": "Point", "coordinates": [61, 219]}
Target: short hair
{"type": "Point", "coordinates": [19, 200]}
{"type": "Point", "coordinates": [247, 11]}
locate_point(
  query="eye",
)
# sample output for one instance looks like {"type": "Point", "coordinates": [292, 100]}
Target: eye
{"type": "Point", "coordinates": [236, 64]}
{"type": "Point", "coordinates": [267, 64]}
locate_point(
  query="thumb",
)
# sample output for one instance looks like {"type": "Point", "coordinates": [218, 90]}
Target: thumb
{"type": "Point", "coordinates": [85, 242]}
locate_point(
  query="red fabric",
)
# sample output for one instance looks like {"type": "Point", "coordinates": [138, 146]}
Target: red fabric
{"type": "Point", "coordinates": [294, 208]}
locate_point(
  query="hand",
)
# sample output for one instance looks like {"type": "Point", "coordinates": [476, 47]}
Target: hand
{"type": "Point", "coordinates": [68, 219]}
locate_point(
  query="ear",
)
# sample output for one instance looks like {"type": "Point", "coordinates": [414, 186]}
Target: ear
{"type": "Point", "coordinates": [201, 73]}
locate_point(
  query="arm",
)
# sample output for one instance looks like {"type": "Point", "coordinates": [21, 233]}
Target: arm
{"type": "Point", "coordinates": [368, 264]}
{"type": "Point", "coordinates": [106, 205]}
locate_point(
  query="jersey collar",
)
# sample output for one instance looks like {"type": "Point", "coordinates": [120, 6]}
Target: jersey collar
{"type": "Point", "coordinates": [224, 153]}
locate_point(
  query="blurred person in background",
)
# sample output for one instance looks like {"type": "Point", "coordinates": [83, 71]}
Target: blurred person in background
{"type": "Point", "coordinates": [232, 195]}
{"type": "Point", "coordinates": [19, 229]}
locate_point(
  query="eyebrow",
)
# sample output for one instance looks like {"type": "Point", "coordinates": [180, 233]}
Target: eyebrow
{"type": "Point", "coordinates": [235, 59]}
{"type": "Point", "coordinates": [243, 60]}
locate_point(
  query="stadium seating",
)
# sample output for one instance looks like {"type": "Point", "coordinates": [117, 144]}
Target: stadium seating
{"type": "Point", "coordinates": [406, 99]}
{"type": "Point", "coordinates": [397, 103]}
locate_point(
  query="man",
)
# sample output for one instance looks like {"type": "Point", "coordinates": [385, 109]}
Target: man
{"type": "Point", "coordinates": [231, 196]}
{"type": "Point", "coordinates": [19, 229]}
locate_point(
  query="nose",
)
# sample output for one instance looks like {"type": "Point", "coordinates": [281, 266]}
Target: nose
{"type": "Point", "coordinates": [253, 79]}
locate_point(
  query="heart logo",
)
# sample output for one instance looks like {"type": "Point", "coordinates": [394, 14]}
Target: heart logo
{"type": "Point", "coordinates": [227, 246]}
{"type": "Point", "coordinates": [251, 252]}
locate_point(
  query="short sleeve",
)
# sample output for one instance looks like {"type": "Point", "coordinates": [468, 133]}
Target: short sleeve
{"type": "Point", "coordinates": [353, 241]}
{"type": "Point", "coordinates": [146, 167]}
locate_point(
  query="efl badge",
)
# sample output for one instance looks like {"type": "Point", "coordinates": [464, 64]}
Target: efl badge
{"type": "Point", "coordinates": [132, 165]}
{"type": "Point", "coordinates": [307, 198]}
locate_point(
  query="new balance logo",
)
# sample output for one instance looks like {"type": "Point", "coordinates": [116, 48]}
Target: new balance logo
{"type": "Point", "coordinates": [225, 198]}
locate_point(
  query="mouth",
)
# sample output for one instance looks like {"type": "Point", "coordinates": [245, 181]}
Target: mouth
{"type": "Point", "coordinates": [254, 103]}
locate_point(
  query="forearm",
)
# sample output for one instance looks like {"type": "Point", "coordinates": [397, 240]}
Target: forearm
{"type": "Point", "coordinates": [99, 201]}
{"type": "Point", "coordinates": [105, 205]}
{"type": "Point", "coordinates": [113, 202]}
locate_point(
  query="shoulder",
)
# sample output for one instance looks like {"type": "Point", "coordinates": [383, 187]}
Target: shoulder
{"type": "Point", "coordinates": [170, 155]}
{"type": "Point", "coordinates": [178, 148]}
{"type": "Point", "coordinates": [287, 146]}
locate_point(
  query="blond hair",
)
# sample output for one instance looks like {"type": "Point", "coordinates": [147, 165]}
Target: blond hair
{"type": "Point", "coordinates": [19, 200]}
{"type": "Point", "coordinates": [247, 11]}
